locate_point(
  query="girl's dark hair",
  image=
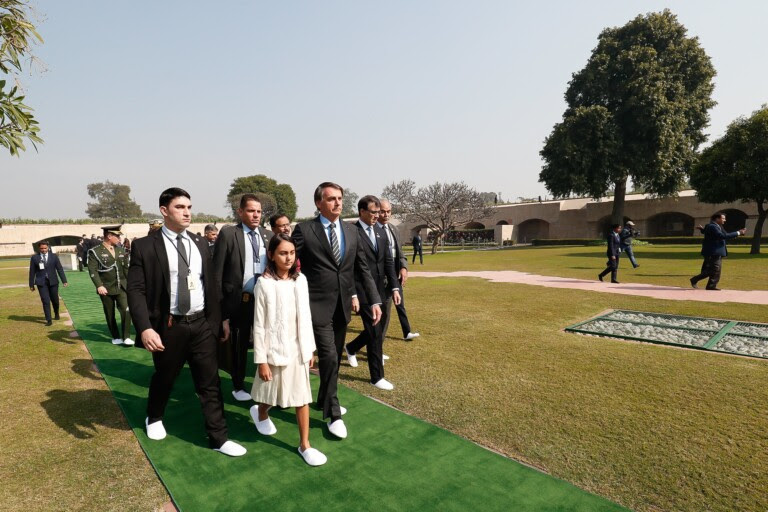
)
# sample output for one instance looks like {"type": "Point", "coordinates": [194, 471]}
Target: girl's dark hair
{"type": "Point", "coordinates": [271, 270]}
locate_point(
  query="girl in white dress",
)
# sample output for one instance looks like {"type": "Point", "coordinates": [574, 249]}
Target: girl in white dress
{"type": "Point", "coordinates": [283, 344]}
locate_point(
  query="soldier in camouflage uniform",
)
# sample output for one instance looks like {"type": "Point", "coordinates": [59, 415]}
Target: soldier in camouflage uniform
{"type": "Point", "coordinates": [108, 267]}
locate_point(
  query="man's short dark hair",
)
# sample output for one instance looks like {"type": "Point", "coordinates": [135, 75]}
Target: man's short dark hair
{"type": "Point", "coordinates": [364, 201]}
{"type": "Point", "coordinates": [210, 228]}
{"type": "Point", "coordinates": [172, 193]}
{"type": "Point", "coordinates": [716, 216]}
{"type": "Point", "coordinates": [614, 226]}
{"type": "Point", "coordinates": [248, 197]}
{"type": "Point", "coordinates": [274, 218]}
{"type": "Point", "coordinates": [43, 242]}
{"type": "Point", "coordinates": [326, 184]}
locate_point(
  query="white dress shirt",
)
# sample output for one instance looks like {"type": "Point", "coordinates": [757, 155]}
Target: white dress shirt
{"type": "Point", "coordinates": [251, 268]}
{"type": "Point", "coordinates": [195, 260]}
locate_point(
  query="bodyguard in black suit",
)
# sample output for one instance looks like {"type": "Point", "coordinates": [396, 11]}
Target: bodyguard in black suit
{"type": "Point", "coordinates": [174, 301]}
{"type": "Point", "coordinates": [331, 255]}
{"type": "Point", "coordinates": [239, 258]}
{"type": "Point", "coordinates": [43, 268]}
{"type": "Point", "coordinates": [375, 244]}
{"type": "Point", "coordinates": [714, 249]}
{"type": "Point", "coordinates": [613, 252]}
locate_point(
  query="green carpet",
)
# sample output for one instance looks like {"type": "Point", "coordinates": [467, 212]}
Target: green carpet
{"type": "Point", "coordinates": [389, 462]}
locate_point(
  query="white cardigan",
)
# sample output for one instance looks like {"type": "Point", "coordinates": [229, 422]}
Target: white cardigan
{"type": "Point", "coordinates": [268, 330]}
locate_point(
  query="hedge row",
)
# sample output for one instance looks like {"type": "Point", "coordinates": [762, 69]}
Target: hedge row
{"type": "Point", "coordinates": [659, 240]}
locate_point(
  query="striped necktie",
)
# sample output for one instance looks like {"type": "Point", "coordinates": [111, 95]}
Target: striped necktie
{"type": "Point", "coordinates": [334, 243]}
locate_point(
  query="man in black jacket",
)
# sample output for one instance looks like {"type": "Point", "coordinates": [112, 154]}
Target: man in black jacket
{"type": "Point", "coordinates": [613, 251]}
{"type": "Point", "coordinates": [174, 301]}
{"type": "Point", "coordinates": [714, 249]}
{"type": "Point", "coordinates": [331, 257]}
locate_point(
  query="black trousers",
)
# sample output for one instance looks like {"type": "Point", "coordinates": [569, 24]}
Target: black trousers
{"type": "Point", "coordinates": [49, 294]}
{"type": "Point", "coordinates": [194, 342]}
{"type": "Point", "coordinates": [418, 250]}
{"type": "Point", "coordinates": [401, 315]}
{"type": "Point", "coordinates": [121, 301]}
{"type": "Point", "coordinates": [329, 339]}
{"type": "Point", "coordinates": [710, 268]}
{"type": "Point", "coordinates": [612, 267]}
{"type": "Point", "coordinates": [241, 338]}
{"type": "Point", "coordinates": [371, 337]}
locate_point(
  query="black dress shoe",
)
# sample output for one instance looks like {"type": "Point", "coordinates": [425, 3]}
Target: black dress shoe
{"type": "Point", "coordinates": [615, 282]}
{"type": "Point", "coordinates": [693, 284]}
{"type": "Point", "coordinates": [48, 323]}
{"type": "Point", "coordinates": [600, 277]}
{"type": "Point", "coordinates": [714, 289]}
{"type": "Point", "coordinates": [57, 317]}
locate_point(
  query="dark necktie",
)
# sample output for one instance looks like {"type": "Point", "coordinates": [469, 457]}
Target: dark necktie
{"type": "Point", "coordinates": [254, 245]}
{"type": "Point", "coordinates": [334, 243]}
{"type": "Point", "coordinates": [372, 238]}
{"type": "Point", "coordinates": [183, 287]}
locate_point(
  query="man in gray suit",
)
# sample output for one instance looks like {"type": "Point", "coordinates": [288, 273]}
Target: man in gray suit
{"type": "Point", "coordinates": [239, 258]}
{"type": "Point", "coordinates": [401, 268]}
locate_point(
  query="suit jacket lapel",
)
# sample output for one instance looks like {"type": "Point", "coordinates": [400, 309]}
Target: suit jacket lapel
{"type": "Point", "coordinates": [240, 244]}
{"type": "Point", "coordinates": [319, 231]}
{"type": "Point", "coordinates": [162, 259]}
{"type": "Point", "coordinates": [364, 229]}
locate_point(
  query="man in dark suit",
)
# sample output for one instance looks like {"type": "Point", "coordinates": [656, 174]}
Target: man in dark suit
{"type": "Point", "coordinates": [239, 258]}
{"type": "Point", "coordinates": [174, 302]}
{"type": "Point", "coordinates": [714, 249]}
{"type": "Point", "coordinates": [417, 249]}
{"type": "Point", "coordinates": [375, 244]}
{"type": "Point", "coordinates": [401, 269]}
{"type": "Point", "coordinates": [331, 256]}
{"type": "Point", "coordinates": [210, 233]}
{"type": "Point", "coordinates": [43, 268]}
{"type": "Point", "coordinates": [613, 252]}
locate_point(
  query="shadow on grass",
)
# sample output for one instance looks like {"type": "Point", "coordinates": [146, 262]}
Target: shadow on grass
{"type": "Point", "coordinates": [26, 318]}
{"type": "Point", "coordinates": [66, 409]}
{"type": "Point", "coordinates": [86, 368]}
{"type": "Point", "coordinates": [62, 336]}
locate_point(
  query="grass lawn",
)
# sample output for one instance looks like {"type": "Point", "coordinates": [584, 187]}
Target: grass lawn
{"type": "Point", "coordinates": [65, 444]}
{"type": "Point", "coordinates": [650, 427]}
{"type": "Point", "coordinates": [668, 265]}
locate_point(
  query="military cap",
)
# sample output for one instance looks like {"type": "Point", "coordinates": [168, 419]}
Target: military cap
{"type": "Point", "coordinates": [115, 230]}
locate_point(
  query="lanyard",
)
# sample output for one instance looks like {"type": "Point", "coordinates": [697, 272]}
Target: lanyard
{"type": "Point", "coordinates": [189, 267]}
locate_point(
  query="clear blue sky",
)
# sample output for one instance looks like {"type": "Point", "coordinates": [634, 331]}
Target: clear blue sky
{"type": "Point", "coordinates": [194, 94]}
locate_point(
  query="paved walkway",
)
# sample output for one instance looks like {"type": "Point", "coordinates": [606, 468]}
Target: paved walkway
{"type": "Point", "coordinates": [643, 290]}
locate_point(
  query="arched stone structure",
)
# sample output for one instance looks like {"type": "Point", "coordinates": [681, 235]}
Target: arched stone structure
{"type": "Point", "coordinates": [474, 225]}
{"type": "Point", "coordinates": [734, 219]}
{"type": "Point", "coordinates": [532, 228]}
{"type": "Point", "coordinates": [502, 223]}
{"type": "Point", "coordinates": [670, 224]}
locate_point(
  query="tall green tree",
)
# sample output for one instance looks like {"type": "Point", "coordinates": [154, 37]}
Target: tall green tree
{"type": "Point", "coordinates": [636, 111]}
{"type": "Point", "coordinates": [113, 202]}
{"type": "Point", "coordinates": [17, 35]}
{"type": "Point", "coordinates": [735, 168]}
{"type": "Point", "coordinates": [277, 197]}
{"type": "Point", "coordinates": [349, 204]}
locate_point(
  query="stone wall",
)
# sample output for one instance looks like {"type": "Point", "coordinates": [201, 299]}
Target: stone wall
{"type": "Point", "coordinates": [19, 239]}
